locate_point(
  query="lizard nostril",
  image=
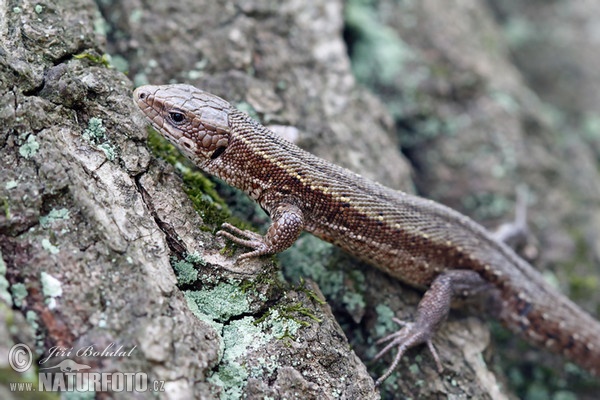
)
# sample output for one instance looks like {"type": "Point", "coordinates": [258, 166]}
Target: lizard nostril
{"type": "Point", "coordinates": [142, 95]}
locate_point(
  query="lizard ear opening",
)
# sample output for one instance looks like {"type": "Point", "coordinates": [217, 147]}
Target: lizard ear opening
{"type": "Point", "coordinates": [218, 152]}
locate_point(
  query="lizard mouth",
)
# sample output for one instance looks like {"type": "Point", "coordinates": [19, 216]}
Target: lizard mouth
{"type": "Point", "coordinates": [144, 97]}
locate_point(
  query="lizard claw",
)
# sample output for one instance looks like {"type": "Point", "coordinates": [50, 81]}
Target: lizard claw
{"type": "Point", "coordinates": [408, 336]}
{"type": "Point", "coordinates": [245, 238]}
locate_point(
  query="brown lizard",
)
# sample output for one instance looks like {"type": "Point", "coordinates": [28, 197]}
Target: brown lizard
{"type": "Point", "coordinates": [418, 241]}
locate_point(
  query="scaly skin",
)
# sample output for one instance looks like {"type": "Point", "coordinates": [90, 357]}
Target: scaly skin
{"type": "Point", "coordinates": [415, 240]}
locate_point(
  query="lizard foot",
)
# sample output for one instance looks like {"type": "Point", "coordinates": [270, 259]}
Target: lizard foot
{"type": "Point", "coordinates": [245, 238]}
{"type": "Point", "coordinates": [408, 336]}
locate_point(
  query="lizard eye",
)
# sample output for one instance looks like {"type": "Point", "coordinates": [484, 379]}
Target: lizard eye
{"type": "Point", "coordinates": [176, 117]}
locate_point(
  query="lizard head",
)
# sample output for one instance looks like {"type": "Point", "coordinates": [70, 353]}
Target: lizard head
{"type": "Point", "coordinates": [194, 121]}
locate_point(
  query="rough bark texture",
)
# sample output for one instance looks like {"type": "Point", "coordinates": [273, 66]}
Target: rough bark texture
{"type": "Point", "coordinates": [100, 244]}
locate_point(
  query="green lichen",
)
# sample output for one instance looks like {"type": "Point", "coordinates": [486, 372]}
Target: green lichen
{"type": "Point", "coordinates": [185, 271]}
{"type": "Point", "coordinates": [306, 260]}
{"type": "Point", "coordinates": [248, 109]}
{"type": "Point", "coordinates": [120, 63]}
{"type": "Point", "coordinates": [385, 324]}
{"type": "Point", "coordinates": [239, 337]}
{"type": "Point", "coordinates": [109, 151]}
{"type": "Point", "coordinates": [4, 284]}
{"type": "Point", "coordinates": [19, 293]}
{"type": "Point", "coordinates": [195, 258]}
{"type": "Point", "coordinates": [220, 303]}
{"type": "Point", "coordinates": [89, 395]}
{"type": "Point", "coordinates": [11, 185]}
{"type": "Point", "coordinates": [198, 71]}
{"type": "Point", "coordinates": [285, 322]}
{"type": "Point", "coordinates": [51, 289]}
{"type": "Point", "coordinates": [378, 53]}
{"type": "Point", "coordinates": [487, 205]}
{"type": "Point", "coordinates": [54, 215]}
{"type": "Point", "coordinates": [49, 247]}
{"type": "Point", "coordinates": [95, 132]}
{"type": "Point", "coordinates": [29, 148]}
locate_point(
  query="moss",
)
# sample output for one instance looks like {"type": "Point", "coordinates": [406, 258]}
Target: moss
{"type": "Point", "coordinates": [310, 293]}
{"type": "Point", "coordinates": [287, 312]}
{"type": "Point", "coordinates": [282, 325]}
{"type": "Point", "coordinates": [581, 286]}
{"type": "Point", "coordinates": [6, 207]}
{"type": "Point", "coordinates": [204, 197]}
{"type": "Point", "coordinates": [199, 188]}
{"type": "Point", "coordinates": [103, 59]}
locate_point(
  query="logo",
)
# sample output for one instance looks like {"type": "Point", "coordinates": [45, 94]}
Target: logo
{"type": "Point", "coordinates": [69, 366]}
{"type": "Point", "coordinates": [20, 357]}
{"type": "Point", "coordinates": [68, 375]}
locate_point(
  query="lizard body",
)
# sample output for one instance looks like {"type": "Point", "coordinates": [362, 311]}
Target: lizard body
{"type": "Point", "coordinates": [415, 240]}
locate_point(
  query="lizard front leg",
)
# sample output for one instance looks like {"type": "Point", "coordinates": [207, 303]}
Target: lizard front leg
{"type": "Point", "coordinates": [288, 223]}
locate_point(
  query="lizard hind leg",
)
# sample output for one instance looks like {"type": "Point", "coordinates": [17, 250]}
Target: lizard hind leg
{"type": "Point", "coordinates": [431, 313]}
{"type": "Point", "coordinates": [404, 339]}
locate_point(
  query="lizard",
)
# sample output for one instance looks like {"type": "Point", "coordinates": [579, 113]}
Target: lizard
{"type": "Point", "coordinates": [418, 241]}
